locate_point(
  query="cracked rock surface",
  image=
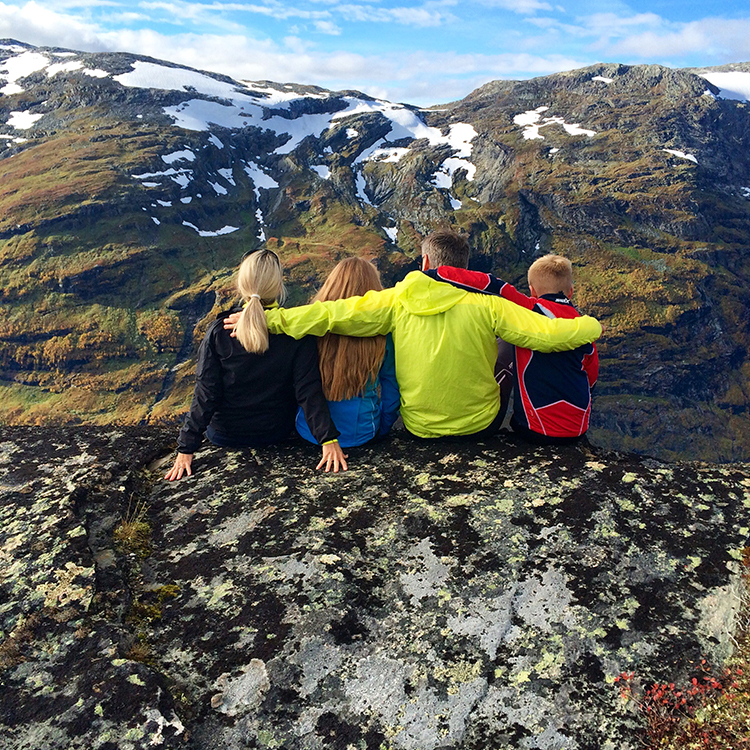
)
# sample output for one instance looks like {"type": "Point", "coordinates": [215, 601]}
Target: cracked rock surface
{"type": "Point", "coordinates": [438, 595]}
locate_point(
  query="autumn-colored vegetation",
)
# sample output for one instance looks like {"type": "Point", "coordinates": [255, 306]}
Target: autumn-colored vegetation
{"type": "Point", "coordinates": [710, 710]}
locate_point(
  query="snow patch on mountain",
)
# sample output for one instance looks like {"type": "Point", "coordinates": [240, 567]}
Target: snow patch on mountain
{"type": "Point", "coordinates": [460, 135]}
{"type": "Point", "coordinates": [259, 177]}
{"type": "Point", "coordinates": [204, 233]}
{"type": "Point", "coordinates": [184, 155]}
{"type": "Point", "coordinates": [22, 120]}
{"type": "Point", "coordinates": [228, 176]}
{"type": "Point", "coordinates": [321, 170]}
{"type": "Point", "coordinates": [63, 67]}
{"type": "Point", "coordinates": [681, 154]}
{"type": "Point", "coordinates": [361, 184]}
{"type": "Point", "coordinates": [27, 62]}
{"type": "Point", "coordinates": [530, 122]}
{"type": "Point", "coordinates": [148, 75]}
{"type": "Point", "coordinates": [298, 129]}
{"type": "Point", "coordinates": [388, 155]}
{"type": "Point", "coordinates": [181, 176]}
{"type": "Point", "coordinates": [734, 84]}
{"type": "Point", "coordinates": [453, 164]}
{"type": "Point", "coordinates": [20, 66]}
{"type": "Point", "coordinates": [12, 138]}
{"type": "Point", "coordinates": [442, 180]}
{"type": "Point", "coordinates": [406, 124]}
{"type": "Point", "coordinates": [261, 223]}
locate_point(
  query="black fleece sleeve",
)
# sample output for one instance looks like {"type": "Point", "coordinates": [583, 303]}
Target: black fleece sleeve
{"type": "Point", "coordinates": [309, 391]}
{"type": "Point", "coordinates": [206, 396]}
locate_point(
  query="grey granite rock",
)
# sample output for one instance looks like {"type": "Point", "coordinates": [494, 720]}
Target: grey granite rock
{"type": "Point", "coordinates": [437, 595]}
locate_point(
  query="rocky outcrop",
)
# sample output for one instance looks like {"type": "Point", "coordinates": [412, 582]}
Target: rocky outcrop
{"type": "Point", "coordinates": [437, 595]}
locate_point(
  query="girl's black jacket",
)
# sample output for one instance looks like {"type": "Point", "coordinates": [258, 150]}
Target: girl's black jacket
{"type": "Point", "coordinates": [251, 399]}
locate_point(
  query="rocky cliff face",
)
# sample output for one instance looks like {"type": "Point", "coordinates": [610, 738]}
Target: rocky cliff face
{"type": "Point", "coordinates": [442, 595]}
{"type": "Point", "coordinates": [131, 188]}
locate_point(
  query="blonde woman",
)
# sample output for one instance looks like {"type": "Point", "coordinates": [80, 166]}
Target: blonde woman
{"type": "Point", "coordinates": [248, 387]}
{"type": "Point", "coordinates": [358, 374]}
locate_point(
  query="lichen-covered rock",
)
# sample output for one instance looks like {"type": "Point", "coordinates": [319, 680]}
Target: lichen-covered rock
{"type": "Point", "coordinates": [66, 681]}
{"type": "Point", "coordinates": [438, 595]}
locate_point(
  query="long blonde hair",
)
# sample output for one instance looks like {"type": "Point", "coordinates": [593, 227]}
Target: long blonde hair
{"type": "Point", "coordinates": [259, 282]}
{"type": "Point", "coordinates": [347, 363]}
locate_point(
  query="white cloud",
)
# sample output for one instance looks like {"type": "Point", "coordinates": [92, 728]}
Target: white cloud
{"type": "Point", "coordinates": [517, 6]}
{"type": "Point", "coordinates": [603, 26]}
{"type": "Point", "coordinates": [128, 17]}
{"type": "Point", "coordinates": [320, 49]}
{"type": "Point", "coordinates": [414, 77]}
{"type": "Point", "coordinates": [421, 16]}
{"type": "Point", "coordinates": [215, 14]}
{"type": "Point", "coordinates": [610, 23]}
{"type": "Point", "coordinates": [327, 27]}
{"type": "Point", "coordinates": [725, 39]}
{"type": "Point", "coordinates": [35, 24]}
{"type": "Point", "coordinates": [63, 5]}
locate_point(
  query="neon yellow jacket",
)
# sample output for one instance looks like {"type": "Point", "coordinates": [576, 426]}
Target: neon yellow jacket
{"type": "Point", "coordinates": [445, 345]}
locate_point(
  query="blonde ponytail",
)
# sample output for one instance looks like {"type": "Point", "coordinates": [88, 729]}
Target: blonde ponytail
{"type": "Point", "coordinates": [259, 282]}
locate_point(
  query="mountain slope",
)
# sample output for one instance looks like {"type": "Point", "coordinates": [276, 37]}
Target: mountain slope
{"type": "Point", "coordinates": [130, 188]}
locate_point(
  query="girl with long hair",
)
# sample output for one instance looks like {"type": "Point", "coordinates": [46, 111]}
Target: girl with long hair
{"type": "Point", "coordinates": [358, 374]}
{"type": "Point", "coordinates": [248, 387]}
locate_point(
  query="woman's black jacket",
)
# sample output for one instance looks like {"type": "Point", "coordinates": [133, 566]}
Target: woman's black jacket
{"type": "Point", "coordinates": [252, 398]}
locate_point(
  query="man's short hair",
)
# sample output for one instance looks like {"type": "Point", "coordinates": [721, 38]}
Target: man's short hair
{"type": "Point", "coordinates": [446, 248]}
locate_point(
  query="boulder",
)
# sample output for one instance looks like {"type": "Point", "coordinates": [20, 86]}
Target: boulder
{"type": "Point", "coordinates": [446, 594]}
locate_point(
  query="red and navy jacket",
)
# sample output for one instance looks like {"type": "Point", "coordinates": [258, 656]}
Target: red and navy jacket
{"type": "Point", "coordinates": [552, 394]}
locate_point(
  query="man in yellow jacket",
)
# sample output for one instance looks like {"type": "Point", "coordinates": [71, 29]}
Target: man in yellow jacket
{"type": "Point", "coordinates": [444, 339]}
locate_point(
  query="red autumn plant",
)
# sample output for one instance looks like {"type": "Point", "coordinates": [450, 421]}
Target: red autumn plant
{"type": "Point", "coordinates": [708, 713]}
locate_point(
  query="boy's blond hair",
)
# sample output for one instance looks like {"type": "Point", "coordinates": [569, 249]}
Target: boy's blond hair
{"type": "Point", "coordinates": [550, 274]}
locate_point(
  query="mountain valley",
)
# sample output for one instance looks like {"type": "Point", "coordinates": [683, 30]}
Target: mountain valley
{"type": "Point", "coordinates": [130, 188]}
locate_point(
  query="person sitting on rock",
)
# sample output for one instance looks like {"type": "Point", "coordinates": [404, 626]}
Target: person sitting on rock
{"type": "Point", "coordinates": [248, 387]}
{"type": "Point", "coordinates": [445, 339]}
{"type": "Point", "coordinates": [358, 374]}
{"type": "Point", "coordinates": [552, 391]}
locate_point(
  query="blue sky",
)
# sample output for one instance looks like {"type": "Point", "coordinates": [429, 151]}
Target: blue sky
{"type": "Point", "coordinates": [417, 51]}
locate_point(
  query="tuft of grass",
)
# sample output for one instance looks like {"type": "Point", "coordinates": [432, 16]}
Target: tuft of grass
{"type": "Point", "coordinates": [133, 533]}
{"type": "Point", "coordinates": [140, 651]}
{"type": "Point", "coordinates": [12, 648]}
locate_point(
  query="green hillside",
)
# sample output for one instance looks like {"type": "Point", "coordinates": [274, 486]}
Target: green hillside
{"type": "Point", "coordinates": [122, 222]}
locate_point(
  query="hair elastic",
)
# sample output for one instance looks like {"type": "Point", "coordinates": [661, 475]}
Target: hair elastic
{"type": "Point", "coordinates": [257, 296]}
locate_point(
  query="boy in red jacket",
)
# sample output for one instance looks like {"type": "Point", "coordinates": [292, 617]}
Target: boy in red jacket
{"type": "Point", "coordinates": [552, 392]}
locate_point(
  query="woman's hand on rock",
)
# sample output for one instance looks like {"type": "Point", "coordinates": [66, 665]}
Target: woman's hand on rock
{"type": "Point", "coordinates": [333, 458]}
{"type": "Point", "coordinates": [180, 467]}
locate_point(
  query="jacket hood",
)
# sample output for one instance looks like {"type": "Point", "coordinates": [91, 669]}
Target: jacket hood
{"type": "Point", "coordinates": [421, 295]}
